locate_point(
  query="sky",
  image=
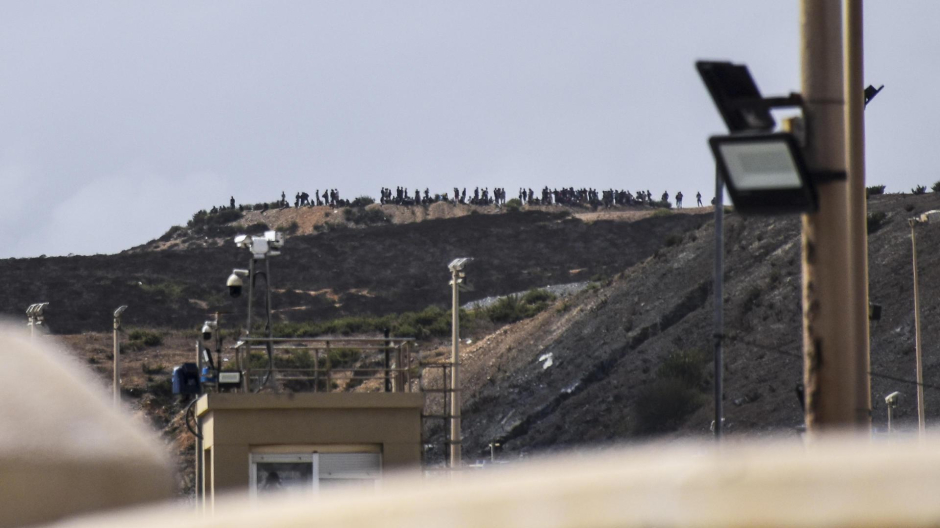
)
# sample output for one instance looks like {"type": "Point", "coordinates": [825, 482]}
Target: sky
{"type": "Point", "coordinates": [120, 119]}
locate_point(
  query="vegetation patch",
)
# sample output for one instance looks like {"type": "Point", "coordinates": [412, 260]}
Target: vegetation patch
{"type": "Point", "coordinates": [362, 201]}
{"type": "Point", "coordinates": [876, 221]}
{"type": "Point", "coordinates": [920, 189]}
{"type": "Point", "coordinates": [430, 322]}
{"type": "Point", "coordinates": [874, 190]}
{"type": "Point", "coordinates": [145, 338]}
{"type": "Point", "coordinates": [514, 308]}
{"type": "Point", "coordinates": [675, 393]}
{"type": "Point", "coordinates": [359, 216]}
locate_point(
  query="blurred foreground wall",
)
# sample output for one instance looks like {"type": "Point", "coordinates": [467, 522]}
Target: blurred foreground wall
{"type": "Point", "coordinates": [64, 449]}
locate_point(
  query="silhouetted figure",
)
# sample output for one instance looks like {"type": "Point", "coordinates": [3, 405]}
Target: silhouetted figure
{"type": "Point", "coordinates": [231, 202]}
{"type": "Point", "coordinates": [679, 200]}
{"type": "Point", "coordinates": [698, 198]}
{"type": "Point", "coordinates": [665, 197]}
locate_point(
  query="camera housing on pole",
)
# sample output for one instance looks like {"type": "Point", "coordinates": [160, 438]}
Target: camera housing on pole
{"type": "Point", "coordinates": [764, 171]}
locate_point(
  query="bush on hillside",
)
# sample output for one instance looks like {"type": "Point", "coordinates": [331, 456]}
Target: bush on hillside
{"type": "Point", "coordinates": [512, 308]}
{"type": "Point", "coordinates": [920, 189]}
{"type": "Point", "coordinates": [362, 201]}
{"type": "Point", "coordinates": [514, 205]}
{"type": "Point", "coordinates": [875, 221]}
{"type": "Point", "coordinates": [874, 190]}
{"type": "Point", "coordinates": [674, 394]}
{"type": "Point", "coordinates": [364, 216]}
{"type": "Point", "coordinates": [145, 337]}
{"type": "Point", "coordinates": [430, 322]}
{"type": "Point", "coordinates": [936, 187]}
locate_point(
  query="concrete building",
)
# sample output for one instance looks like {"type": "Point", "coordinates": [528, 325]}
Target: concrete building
{"type": "Point", "coordinates": [254, 443]}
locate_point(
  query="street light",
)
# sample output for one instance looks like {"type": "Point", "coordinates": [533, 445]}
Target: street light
{"type": "Point", "coordinates": [35, 316]}
{"type": "Point", "coordinates": [117, 355]}
{"type": "Point", "coordinates": [930, 217]}
{"type": "Point", "coordinates": [457, 278]}
{"type": "Point", "coordinates": [891, 401]}
{"type": "Point", "coordinates": [764, 170]}
{"type": "Point", "coordinates": [765, 174]}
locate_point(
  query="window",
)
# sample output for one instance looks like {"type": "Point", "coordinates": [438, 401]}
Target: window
{"type": "Point", "coordinates": [306, 473]}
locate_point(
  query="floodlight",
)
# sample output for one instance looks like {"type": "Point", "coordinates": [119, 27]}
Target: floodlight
{"type": "Point", "coordinates": [765, 173]}
{"type": "Point", "coordinates": [119, 311]}
{"type": "Point", "coordinates": [458, 264]}
{"type": "Point", "coordinates": [242, 241]}
{"type": "Point", "coordinates": [930, 217]}
{"type": "Point", "coordinates": [892, 399]}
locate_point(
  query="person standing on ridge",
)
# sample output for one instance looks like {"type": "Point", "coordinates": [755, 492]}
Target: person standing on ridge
{"type": "Point", "coordinates": [679, 200]}
{"type": "Point", "coordinates": [698, 196]}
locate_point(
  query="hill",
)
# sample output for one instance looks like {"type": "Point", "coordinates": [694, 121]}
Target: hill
{"type": "Point", "coordinates": [633, 358]}
{"type": "Point", "coordinates": [342, 271]}
{"type": "Point", "coordinates": [629, 357]}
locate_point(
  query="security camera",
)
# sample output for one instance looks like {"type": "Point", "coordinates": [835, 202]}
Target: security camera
{"type": "Point", "coordinates": [207, 330]}
{"type": "Point", "coordinates": [235, 282]}
{"type": "Point", "coordinates": [892, 399]}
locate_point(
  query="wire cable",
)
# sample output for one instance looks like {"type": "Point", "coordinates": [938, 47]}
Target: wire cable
{"type": "Point", "coordinates": [191, 409]}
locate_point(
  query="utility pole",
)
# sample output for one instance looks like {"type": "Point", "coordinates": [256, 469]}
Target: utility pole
{"type": "Point", "coordinates": [831, 332]}
{"type": "Point", "coordinates": [454, 374]}
{"type": "Point", "coordinates": [719, 322]}
{"type": "Point", "coordinates": [117, 355]}
{"type": "Point", "coordinates": [854, 93]}
{"type": "Point", "coordinates": [918, 351]}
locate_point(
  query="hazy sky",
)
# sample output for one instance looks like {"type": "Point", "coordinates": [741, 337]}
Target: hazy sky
{"type": "Point", "coordinates": [120, 119]}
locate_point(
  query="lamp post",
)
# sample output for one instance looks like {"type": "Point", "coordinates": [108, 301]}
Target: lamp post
{"type": "Point", "coordinates": [930, 217]}
{"type": "Point", "coordinates": [35, 317]}
{"type": "Point", "coordinates": [456, 279]}
{"type": "Point", "coordinates": [891, 401]}
{"type": "Point", "coordinates": [117, 355]}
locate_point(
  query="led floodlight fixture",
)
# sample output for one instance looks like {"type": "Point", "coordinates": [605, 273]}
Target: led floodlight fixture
{"type": "Point", "coordinates": [765, 173]}
{"type": "Point", "coordinates": [736, 95]}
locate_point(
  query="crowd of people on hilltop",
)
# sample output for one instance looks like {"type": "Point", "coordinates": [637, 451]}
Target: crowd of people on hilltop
{"type": "Point", "coordinates": [479, 197]}
{"type": "Point", "coordinates": [400, 196]}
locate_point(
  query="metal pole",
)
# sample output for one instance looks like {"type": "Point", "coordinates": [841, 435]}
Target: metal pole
{"type": "Point", "coordinates": [719, 298]}
{"type": "Point", "coordinates": [269, 330]}
{"type": "Point", "coordinates": [117, 362]}
{"type": "Point", "coordinates": [830, 333]}
{"type": "Point", "coordinates": [455, 439]}
{"type": "Point", "coordinates": [921, 424]}
{"type": "Point", "coordinates": [251, 293]}
{"type": "Point", "coordinates": [854, 93]}
{"type": "Point", "coordinates": [388, 363]}
{"type": "Point", "coordinates": [889, 419]}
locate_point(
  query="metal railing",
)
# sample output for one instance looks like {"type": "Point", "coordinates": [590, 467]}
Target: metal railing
{"type": "Point", "coordinates": [329, 364]}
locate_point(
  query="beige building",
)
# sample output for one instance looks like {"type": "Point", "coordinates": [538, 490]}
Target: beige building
{"type": "Point", "coordinates": [305, 441]}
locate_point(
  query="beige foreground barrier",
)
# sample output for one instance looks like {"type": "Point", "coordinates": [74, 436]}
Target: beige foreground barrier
{"type": "Point", "coordinates": [834, 483]}
{"type": "Point", "coordinates": [63, 449]}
